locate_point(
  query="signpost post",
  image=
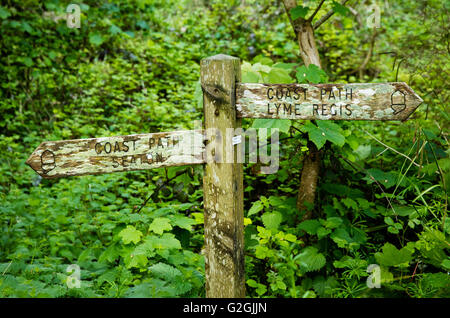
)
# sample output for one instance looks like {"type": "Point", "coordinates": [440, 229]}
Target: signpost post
{"type": "Point", "coordinates": [225, 102]}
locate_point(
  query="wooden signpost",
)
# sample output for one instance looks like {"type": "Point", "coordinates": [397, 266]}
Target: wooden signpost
{"type": "Point", "coordinates": [64, 158]}
{"type": "Point", "coordinates": [361, 101]}
{"type": "Point", "coordinates": [225, 102]}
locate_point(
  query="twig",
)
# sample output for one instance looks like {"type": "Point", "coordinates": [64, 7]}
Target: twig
{"type": "Point", "coordinates": [326, 16]}
{"type": "Point", "coordinates": [179, 173]}
{"type": "Point", "coordinates": [317, 10]}
{"type": "Point", "coordinates": [390, 148]}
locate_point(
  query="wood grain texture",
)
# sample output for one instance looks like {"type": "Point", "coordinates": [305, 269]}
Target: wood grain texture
{"type": "Point", "coordinates": [358, 101]}
{"type": "Point", "coordinates": [64, 158]}
{"type": "Point", "coordinates": [222, 182]}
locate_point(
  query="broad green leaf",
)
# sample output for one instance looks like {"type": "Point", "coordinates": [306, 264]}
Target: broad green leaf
{"type": "Point", "coordinates": [325, 130]}
{"type": "Point", "coordinates": [159, 225]}
{"type": "Point", "coordinates": [95, 39]}
{"type": "Point", "coordinates": [340, 9]}
{"type": "Point", "coordinates": [166, 241]}
{"type": "Point", "coordinates": [256, 207]}
{"type": "Point", "coordinates": [298, 12]}
{"type": "Point", "coordinates": [310, 259]}
{"type": "Point", "coordinates": [4, 13]}
{"type": "Point", "coordinates": [165, 271]}
{"type": "Point", "coordinates": [332, 222]}
{"type": "Point", "coordinates": [279, 76]}
{"type": "Point", "coordinates": [386, 179]}
{"type": "Point", "coordinates": [250, 77]}
{"type": "Point", "coordinates": [312, 74]}
{"type": "Point", "coordinates": [363, 151]}
{"type": "Point", "coordinates": [283, 125]}
{"type": "Point", "coordinates": [263, 60]}
{"type": "Point", "coordinates": [272, 220]}
{"type": "Point", "coordinates": [310, 226]}
{"type": "Point", "coordinates": [285, 66]}
{"type": "Point", "coordinates": [391, 256]}
{"type": "Point", "coordinates": [349, 203]}
{"type": "Point", "coordinates": [130, 234]}
{"type": "Point", "coordinates": [114, 29]}
{"type": "Point", "coordinates": [182, 221]}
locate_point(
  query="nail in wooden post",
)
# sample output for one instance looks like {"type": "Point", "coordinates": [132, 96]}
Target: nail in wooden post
{"type": "Point", "coordinates": [222, 181]}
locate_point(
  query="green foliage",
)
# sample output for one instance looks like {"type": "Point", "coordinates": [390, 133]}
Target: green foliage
{"type": "Point", "coordinates": [133, 67]}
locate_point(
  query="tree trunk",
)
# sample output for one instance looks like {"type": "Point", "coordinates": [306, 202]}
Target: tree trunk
{"type": "Point", "coordinates": [311, 163]}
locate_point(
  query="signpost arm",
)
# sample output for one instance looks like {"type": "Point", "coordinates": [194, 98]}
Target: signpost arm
{"type": "Point", "coordinates": [222, 181]}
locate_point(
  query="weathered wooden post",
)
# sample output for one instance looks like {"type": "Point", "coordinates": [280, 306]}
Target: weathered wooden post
{"type": "Point", "coordinates": [222, 181]}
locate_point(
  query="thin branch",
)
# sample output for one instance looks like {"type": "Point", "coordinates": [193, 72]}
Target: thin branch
{"type": "Point", "coordinates": [390, 148]}
{"type": "Point", "coordinates": [326, 16]}
{"type": "Point", "coordinates": [177, 174]}
{"type": "Point", "coordinates": [317, 10]}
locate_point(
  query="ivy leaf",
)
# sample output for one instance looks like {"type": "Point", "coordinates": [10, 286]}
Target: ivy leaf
{"type": "Point", "coordinates": [159, 225]}
{"type": "Point", "coordinates": [130, 234]}
{"type": "Point", "coordinates": [310, 260]}
{"type": "Point", "coordinates": [298, 12]}
{"type": "Point", "coordinates": [391, 256]}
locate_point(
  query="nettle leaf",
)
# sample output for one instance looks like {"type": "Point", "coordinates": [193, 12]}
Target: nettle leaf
{"type": "Point", "coordinates": [165, 271]}
{"type": "Point", "coordinates": [272, 220]}
{"type": "Point", "coordinates": [159, 225]}
{"type": "Point", "coordinates": [391, 256]}
{"type": "Point", "coordinates": [325, 130]}
{"type": "Point", "coordinates": [256, 207]}
{"type": "Point", "coordinates": [130, 234]}
{"type": "Point", "coordinates": [298, 12]}
{"type": "Point", "coordinates": [332, 222]}
{"type": "Point", "coordinates": [310, 259]}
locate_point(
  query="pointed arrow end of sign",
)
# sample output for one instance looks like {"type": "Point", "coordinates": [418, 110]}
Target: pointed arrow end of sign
{"type": "Point", "coordinates": [41, 161]}
{"type": "Point", "coordinates": [413, 101]}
